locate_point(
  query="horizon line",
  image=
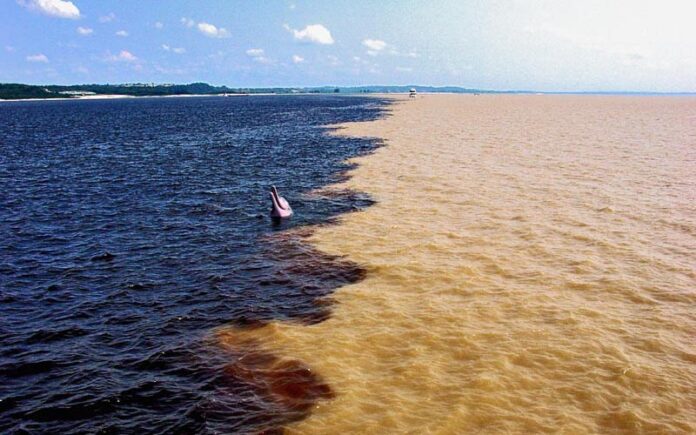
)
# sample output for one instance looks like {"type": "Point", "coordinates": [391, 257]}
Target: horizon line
{"type": "Point", "coordinates": [464, 88]}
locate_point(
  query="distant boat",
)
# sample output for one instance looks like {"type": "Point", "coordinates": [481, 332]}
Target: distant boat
{"type": "Point", "coordinates": [280, 208]}
{"type": "Point", "coordinates": [412, 93]}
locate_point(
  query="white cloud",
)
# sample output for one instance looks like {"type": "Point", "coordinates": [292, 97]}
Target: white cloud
{"type": "Point", "coordinates": [315, 33]}
{"type": "Point", "coordinates": [107, 18]}
{"type": "Point", "coordinates": [84, 31]}
{"type": "Point", "coordinates": [254, 52]}
{"type": "Point", "coordinates": [258, 55]}
{"type": "Point", "coordinates": [374, 44]}
{"type": "Point", "coordinates": [207, 29]}
{"type": "Point", "coordinates": [297, 59]}
{"type": "Point", "coordinates": [212, 31]}
{"type": "Point", "coordinates": [82, 70]}
{"type": "Point", "coordinates": [123, 56]}
{"type": "Point", "coordinates": [376, 47]}
{"type": "Point", "coordinates": [177, 50]}
{"type": "Point", "coordinates": [122, 33]}
{"type": "Point", "coordinates": [53, 8]}
{"type": "Point", "coordinates": [37, 58]}
{"type": "Point", "coordinates": [9, 48]}
{"type": "Point", "coordinates": [159, 25]}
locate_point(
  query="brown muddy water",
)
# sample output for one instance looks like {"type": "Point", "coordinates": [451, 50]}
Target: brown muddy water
{"type": "Point", "coordinates": [531, 267]}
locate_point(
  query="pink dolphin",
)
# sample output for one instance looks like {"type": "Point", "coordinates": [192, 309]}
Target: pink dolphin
{"type": "Point", "coordinates": [281, 209]}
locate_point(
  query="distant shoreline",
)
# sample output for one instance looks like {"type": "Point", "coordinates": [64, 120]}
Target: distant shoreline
{"type": "Point", "coordinates": [121, 96]}
{"type": "Point", "coordinates": [23, 92]}
{"type": "Point", "coordinates": [346, 94]}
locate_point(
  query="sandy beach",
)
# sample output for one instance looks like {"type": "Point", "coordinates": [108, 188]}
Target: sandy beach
{"type": "Point", "coordinates": [110, 97]}
{"type": "Point", "coordinates": [119, 96]}
{"type": "Point", "coordinates": [530, 269]}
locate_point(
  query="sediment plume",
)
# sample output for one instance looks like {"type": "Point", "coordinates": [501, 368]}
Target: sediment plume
{"type": "Point", "coordinates": [528, 268]}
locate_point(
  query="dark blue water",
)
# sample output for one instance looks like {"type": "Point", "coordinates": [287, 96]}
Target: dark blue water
{"type": "Point", "coordinates": [130, 228]}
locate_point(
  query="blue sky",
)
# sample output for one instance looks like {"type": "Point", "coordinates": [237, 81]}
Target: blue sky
{"type": "Point", "coordinates": [497, 44]}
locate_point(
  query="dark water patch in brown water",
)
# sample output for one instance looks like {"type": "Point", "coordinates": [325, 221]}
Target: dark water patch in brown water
{"type": "Point", "coordinates": [286, 389]}
{"type": "Point", "coordinates": [292, 279]}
